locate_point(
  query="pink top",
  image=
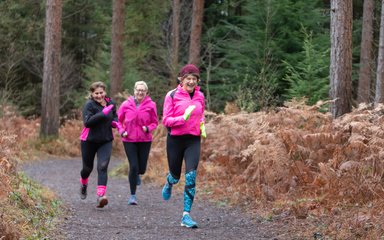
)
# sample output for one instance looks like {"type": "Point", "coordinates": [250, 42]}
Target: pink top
{"type": "Point", "coordinates": [133, 117]}
{"type": "Point", "coordinates": [174, 108]}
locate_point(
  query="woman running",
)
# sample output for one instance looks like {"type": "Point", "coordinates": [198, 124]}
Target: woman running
{"type": "Point", "coordinates": [183, 115]}
{"type": "Point", "coordinates": [137, 120]}
{"type": "Point", "coordinates": [99, 116]}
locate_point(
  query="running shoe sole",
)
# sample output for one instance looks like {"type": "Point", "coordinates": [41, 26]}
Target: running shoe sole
{"type": "Point", "coordinates": [103, 202]}
{"type": "Point", "coordinates": [132, 201]}
{"type": "Point", "coordinates": [185, 225]}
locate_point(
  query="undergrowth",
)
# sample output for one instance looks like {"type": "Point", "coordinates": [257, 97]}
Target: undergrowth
{"type": "Point", "coordinates": [29, 211]}
{"type": "Point", "coordinates": [291, 164]}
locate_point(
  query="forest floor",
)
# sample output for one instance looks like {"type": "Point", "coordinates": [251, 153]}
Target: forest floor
{"type": "Point", "coordinates": [152, 218]}
{"type": "Point", "coordinates": [292, 173]}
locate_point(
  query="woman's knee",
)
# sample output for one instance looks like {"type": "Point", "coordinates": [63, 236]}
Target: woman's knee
{"type": "Point", "coordinates": [86, 170]}
{"type": "Point", "coordinates": [103, 167]}
{"type": "Point", "coordinates": [134, 168]}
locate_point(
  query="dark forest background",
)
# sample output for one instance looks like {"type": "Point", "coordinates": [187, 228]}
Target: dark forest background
{"type": "Point", "coordinates": [256, 53]}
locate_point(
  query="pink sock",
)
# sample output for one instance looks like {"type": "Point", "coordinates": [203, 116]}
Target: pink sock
{"type": "Point", "coordinates": [101, 190]}
{"type": "Point", "coordinates": [84, 181]}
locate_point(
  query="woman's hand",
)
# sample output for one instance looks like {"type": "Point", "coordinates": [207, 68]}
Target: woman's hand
{"type": "Point", "coordinates": [203, 132]}
{"type": "Point", "coordinates": [107, 109]}
{"type": "Point", "coordinates": [188, 112]}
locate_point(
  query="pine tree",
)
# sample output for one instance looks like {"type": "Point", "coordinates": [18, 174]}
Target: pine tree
{"type": "Point", "coordinates": [309, 77]}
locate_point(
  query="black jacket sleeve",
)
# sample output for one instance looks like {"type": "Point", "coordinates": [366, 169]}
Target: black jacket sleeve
{"type": "Point", "coordinates": [91, 115]}
{"type": "Point", "coordinates": [114, 112]}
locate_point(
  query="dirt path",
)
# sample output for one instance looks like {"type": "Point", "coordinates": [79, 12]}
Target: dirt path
{"type": "Point", "coordinates": [152, 218]}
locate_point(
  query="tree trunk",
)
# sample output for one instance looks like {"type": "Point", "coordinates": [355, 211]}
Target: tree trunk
{"type": "Point", "coordinates": [364, 88]}
{"type": "Point", "coordinates": [175, 41]}
{"type": "Point", "coordinates": [50, 97]}
{"type": "Point", "coordinates": [117, 54]}
{"type": "Point", "coordinates": [208, 72]}
{"type": "Point", "coordinates": [341, 57]}
{"type": "Point", "coordinates": [196, 28]}
{"type": "Point", "coordinates": [379, 98]}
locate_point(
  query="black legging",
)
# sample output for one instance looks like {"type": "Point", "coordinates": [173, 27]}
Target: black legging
{"type": "Point", "coordinates": [88, 152]}
{"type": "Point", "coordinates": [182, 147]}
{"type": "Point", "coordinates": [137, 154]}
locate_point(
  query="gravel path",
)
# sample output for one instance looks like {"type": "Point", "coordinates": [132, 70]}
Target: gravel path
{"type": "Point", "coordinates": [152, 218]}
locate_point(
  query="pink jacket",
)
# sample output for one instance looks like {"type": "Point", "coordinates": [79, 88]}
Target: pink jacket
{"type": "Point", "coordinates": [174, 108]}
{"type": "Point", "coordinates": [132, 118]}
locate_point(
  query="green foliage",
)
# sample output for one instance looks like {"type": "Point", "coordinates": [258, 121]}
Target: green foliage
{"type": "Point", "coordinates": [145, 51]}
{"type": "Point", "coordinates": [256, 92]}
{"type": "Point", "coordinates": [86, 39]}
{"type": "Point", "coordinates": [97, 70]}
{"type": "Point", "coordinates": [248, 47]}
{"type": "Point", "coordinates": [21, 46]}
{"type": "Point", "coordinates": [266, 34]}
{"type": "Point", "coordinates": [85, 24]}
{"type": "Point", "coordinates": [220, 81]}
{"type": "Point", "coordinates": [309, 77]}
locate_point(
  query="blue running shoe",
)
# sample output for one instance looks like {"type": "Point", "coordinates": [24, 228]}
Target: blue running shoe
{"type": "Point", "coordinates": [186, 221]}
{"type": "Point", "coordinates": [167, 191]}
{"type": "Point", "coordinates": [138, 181]}
{"type": "Point", "coordinates": [132, 200]}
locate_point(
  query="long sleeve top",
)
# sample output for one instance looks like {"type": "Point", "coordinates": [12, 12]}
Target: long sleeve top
{"type": "Point", "coordinates": [133, 117]}
{"type": "Point", "coordinates": [97, 125]}
{"type": "Point", "coordinates": [175, 103]}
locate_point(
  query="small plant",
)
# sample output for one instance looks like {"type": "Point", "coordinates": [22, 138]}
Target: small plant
{"type": "Point", "coordinates": [309, 78]}
{"type": "Point", "coordinates": [257, 92]}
